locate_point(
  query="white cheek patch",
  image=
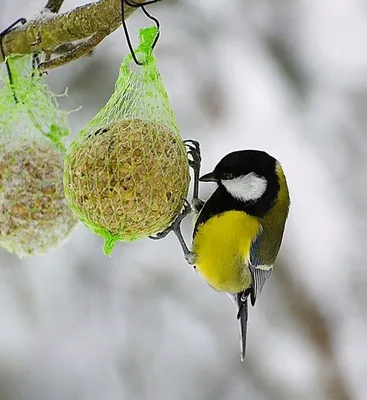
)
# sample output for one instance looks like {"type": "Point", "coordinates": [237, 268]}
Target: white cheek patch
{"type": "Point", "coordinates": [248, 187]}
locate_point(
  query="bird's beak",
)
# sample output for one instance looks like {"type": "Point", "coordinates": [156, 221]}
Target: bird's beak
{"type": "Point", "coordinates": [208, 177]}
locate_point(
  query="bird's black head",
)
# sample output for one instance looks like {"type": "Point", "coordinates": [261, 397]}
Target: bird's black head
{"type": "Point", "coordinates": [249, 176]}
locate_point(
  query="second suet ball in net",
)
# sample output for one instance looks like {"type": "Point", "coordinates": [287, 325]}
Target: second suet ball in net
{"type": "Point", "coordinates": [34, 213]}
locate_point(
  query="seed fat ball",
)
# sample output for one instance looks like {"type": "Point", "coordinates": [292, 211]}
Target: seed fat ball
{"type": "Point", "coordinates": [127, 179]}
{"type": "Point", "coordinates": [34, 213]}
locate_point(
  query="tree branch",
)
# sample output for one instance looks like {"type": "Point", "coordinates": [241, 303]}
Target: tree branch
{"type": "Point", "coordinates": [77, 52]}
{"type": "Point", "coordinates": [47, 33]}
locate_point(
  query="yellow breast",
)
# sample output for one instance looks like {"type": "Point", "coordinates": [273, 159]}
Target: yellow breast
{"type": "Point", "coordinates": [222, 247]}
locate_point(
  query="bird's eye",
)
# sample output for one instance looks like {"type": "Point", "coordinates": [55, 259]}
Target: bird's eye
{"type": "Point", "coordinates": [227, 175]}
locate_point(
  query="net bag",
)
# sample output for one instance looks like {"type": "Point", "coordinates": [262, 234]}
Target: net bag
{"type": "Point", "coordinates": [127, 172]}
{"type": "Point", "coordinates": [34, 214]}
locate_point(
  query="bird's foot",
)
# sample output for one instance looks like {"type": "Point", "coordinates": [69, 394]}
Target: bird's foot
{"type": "Point", "coordinates": [190, 258]}
{"type": "Point", "coordinates": [194, 156]}
{"type": "Point", "coordinates": [193, 150]}
{"type": "Point", "coordinates": [176, 224]}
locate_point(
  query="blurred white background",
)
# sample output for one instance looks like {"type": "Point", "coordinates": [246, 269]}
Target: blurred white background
{"type": "Point", "coordinates": [285, 76]}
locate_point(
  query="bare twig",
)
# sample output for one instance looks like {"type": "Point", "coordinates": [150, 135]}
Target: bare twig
{"type": "Point", "coordinates": [64, 48]}
{"type": "Point", "coordinates": [79, 51]}
{"type": "Point", "coordinates": [93, 20]}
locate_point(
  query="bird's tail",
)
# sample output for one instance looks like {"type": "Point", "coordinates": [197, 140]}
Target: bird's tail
{"type": "Point", "coordinates": [242, 316]}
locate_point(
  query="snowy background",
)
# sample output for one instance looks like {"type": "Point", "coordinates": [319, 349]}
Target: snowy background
{"type": "Point", "coordinates": [285, 76]}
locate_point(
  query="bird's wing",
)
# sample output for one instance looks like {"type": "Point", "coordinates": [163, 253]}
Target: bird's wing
{"type": "Point", "coordinates": [259, 277]}
{"type": "Point", "coordinates": [265, 248]}
{"type": "Point", "coordinates": [260, 271]}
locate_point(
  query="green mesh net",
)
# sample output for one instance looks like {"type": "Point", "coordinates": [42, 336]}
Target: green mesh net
{"type": "Point", "coordinates": [34, 214]}
{"type": "Point", "coordinates": [127, 172]}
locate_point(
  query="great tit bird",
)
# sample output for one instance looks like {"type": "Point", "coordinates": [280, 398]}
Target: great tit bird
{"type": "Point", "coordinates": [239, 229]}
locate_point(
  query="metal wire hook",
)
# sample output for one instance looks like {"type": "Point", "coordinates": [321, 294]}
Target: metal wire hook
{"type": "Point", "coordinates": [2, 35]}
{"type": "Point", "coordinates": [132, 3]}
{"type": "Point", "coordinates": [142, 6]}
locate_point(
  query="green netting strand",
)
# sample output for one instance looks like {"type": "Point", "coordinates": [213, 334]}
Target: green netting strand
{"type": "Point", "coordinates": [35, 113]}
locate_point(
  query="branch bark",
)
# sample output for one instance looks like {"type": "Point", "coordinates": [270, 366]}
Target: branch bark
{"type": "Point", "coordinates": [47, 33]}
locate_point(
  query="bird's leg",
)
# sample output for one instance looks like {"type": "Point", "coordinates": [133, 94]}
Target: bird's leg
{"type": "Point", "coordinates": [189, 255]}
{"type": "Point", "coordinates": [185, 211]}
{"type": "Point", "coordinates": [195, 163]}
{"type": "Point", "coordinates": [197, 204]}
{"type": "Point", "coordinates": [176, 228]}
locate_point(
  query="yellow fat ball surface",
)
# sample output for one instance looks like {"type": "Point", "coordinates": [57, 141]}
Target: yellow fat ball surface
{"type": "Point", "coordinates": [34, 213]}
{"type": "Point", "coordinates": [128, 179]}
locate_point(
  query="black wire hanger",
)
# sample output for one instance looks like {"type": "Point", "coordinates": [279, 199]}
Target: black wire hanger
{"type": "Point", "coordinates": [132, 3]}
{"type": "Point", "coordinates": [2, 35]}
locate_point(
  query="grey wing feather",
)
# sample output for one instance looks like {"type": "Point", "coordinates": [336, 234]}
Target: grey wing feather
{"type": "Point", "coordinates": [259, 277]}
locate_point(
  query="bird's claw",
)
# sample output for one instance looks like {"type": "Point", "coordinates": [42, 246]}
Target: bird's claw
{"type": "Point", "coordinates": [161, 235]}
{"type": "Point", "coordinates": [175, 226]}
{"type": "Point", "coordinates": [194, 157]}
{"type": "Point", "coordinates": [192, 144]}
{"type": "Point", "coordinates": [193, 151]}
